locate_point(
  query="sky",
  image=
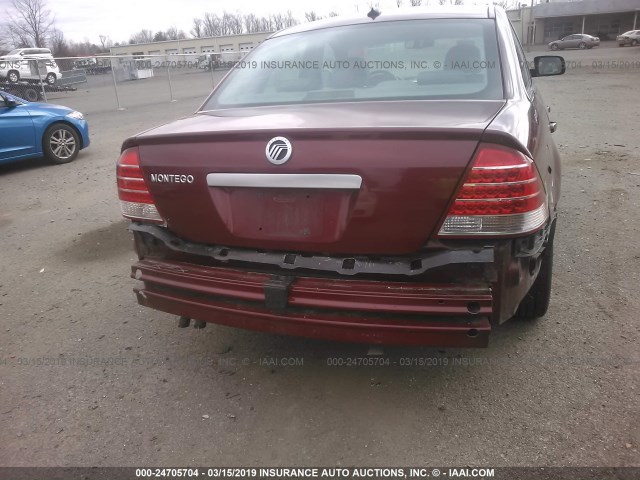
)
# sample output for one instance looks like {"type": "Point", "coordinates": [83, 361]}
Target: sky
{"type": "Point", "coordinates": [82, 20]}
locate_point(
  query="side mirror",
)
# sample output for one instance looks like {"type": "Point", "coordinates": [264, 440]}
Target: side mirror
{"type": "Point", "coordinates": [547, 66]}
{"type": "Point", "coordinates": [8, 102]}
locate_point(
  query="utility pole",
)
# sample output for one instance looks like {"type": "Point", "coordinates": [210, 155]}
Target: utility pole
{"type": "Point", "coordinates": [522, 5]}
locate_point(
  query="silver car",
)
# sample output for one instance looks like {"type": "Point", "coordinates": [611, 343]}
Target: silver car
{"type": "Point", "coordinates": [632, 37]}
{"type": "Point", "coordinates": [577, 40]}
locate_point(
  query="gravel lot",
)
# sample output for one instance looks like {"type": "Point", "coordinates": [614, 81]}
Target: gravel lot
{"type": "Point", "coordinates": [135, 390]}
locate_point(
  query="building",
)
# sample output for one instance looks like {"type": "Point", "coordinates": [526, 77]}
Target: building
{"type": "Point", "coordinates": [195, 46]}
{"type": "Point", "coordinates": [552, 20]}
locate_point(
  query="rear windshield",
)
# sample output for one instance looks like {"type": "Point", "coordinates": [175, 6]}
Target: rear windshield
{"type": "Point", "coordinates": [415, 59]}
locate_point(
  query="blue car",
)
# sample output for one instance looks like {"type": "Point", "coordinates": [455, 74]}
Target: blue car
{"type": "Point", "coordinates": [30, 130]}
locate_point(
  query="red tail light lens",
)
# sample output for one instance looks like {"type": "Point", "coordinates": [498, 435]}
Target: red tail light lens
{"type": "Point", "coordinates": [502, 195]}
{"type": "Point", "coordinates": [135, 200]}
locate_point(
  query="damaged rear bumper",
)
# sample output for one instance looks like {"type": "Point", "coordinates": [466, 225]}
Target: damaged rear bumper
{"type": "Point", "coordinates": [342, 310]}
{"type": "Point", "coordinates": [411, 300]}
{"type": "Point", "coordinates": [449, 296]}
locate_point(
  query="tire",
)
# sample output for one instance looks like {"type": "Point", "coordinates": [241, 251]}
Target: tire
{"type": "Point", "coordinates": [554, 47]}
{"type": "Point", "coordinates": [31, 95]}
{"type": "Point", "coordinates": [536, 302]}
{"type": "Point", "coordinates": [50, 78]}
{"type": "Point", "coordinates": [634, 43]}
{"type": "Point", "coordinates": [13, 76]}
{"type": "Point", "coordinates": [582, 45]}
{"type": "Point", "coordinates": [60, 143]}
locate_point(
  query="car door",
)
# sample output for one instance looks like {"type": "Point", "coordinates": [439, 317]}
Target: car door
{"type": "Point", "coordinates": [569, 41]}
{"type": "Point", "coordinates": [574, 41]}
{"type": "Point", "coordinates": [18, 137]}
{"type": "Point", "coordinates": [541, 144]}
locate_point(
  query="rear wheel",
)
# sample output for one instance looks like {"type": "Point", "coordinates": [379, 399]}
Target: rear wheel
{"type": "Point", "coordinates": [31, 94]}
{"type": "Point", "coordinates": [51, 78]}
{"type": "Point", "coordinates": [13, 76]}
{"type": "Point", "coordinates": [61, 143]}
{"type": "Point", "coordinates": [536, 302]}
{"type": "Point", "coordinates": [582, 45]}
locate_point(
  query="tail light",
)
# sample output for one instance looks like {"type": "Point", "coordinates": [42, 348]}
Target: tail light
{"type": "Point", "coordinates": [135, 200]}
{"type": "Point", "coordinates": [502, 195]}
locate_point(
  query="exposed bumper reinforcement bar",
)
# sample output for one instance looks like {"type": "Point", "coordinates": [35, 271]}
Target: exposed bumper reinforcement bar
{"type": "Point", "coordinates": [399, 265]}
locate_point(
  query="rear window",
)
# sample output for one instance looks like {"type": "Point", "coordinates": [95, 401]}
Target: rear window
{"type": "Point", "coordinates": [415, 59]}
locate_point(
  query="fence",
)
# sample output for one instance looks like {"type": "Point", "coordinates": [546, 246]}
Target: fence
{"type": "Point", "coordinates": [116, 82]}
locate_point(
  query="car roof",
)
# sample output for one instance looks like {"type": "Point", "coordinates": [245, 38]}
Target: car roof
{"type": "Point", "coordinates": [407, 13]}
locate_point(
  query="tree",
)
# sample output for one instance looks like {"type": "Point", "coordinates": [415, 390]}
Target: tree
{"type": "Point", "coordinates": [159, 37]}
{"type": "Point", "coordinates": [231, 23]}
{"type": "Point", "coordinates": [312, 16]}
{"type": "Point", "coordinates": [106, 42]}
{"type": "Point", "coordinates": [30, 23]}
{"type": "Point", "coordinates": [266, 24]}
{"type": "Point", "coordinates": [173, 33]}
{"type": "Point", "coordinates": [251, 23]}
{"type": "Point", "coordinates": [211, 25]}
{"type": "Point", "coordinates": [58, 44]}
{"type": "Point", "coordinates": [278, 21]}
{"type": "Point", "coordinates": [417, 3]}
{"type": "Point", "coordinates": [5, 41]}
{"type": "Point", "coordinates": [290, 21]}
{"type": "Point", "coordinates": [143, 36]}
{"type": "Point", "coordinates": [197, 30]}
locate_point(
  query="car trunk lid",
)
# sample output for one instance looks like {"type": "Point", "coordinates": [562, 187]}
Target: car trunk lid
{"type": "Point", "coordinates": [371, 178]}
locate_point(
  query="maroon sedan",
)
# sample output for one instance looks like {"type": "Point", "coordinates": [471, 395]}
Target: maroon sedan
{"type": "Point", "coordinates": [385, 179]}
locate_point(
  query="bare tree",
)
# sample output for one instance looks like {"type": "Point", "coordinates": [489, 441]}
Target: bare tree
{"type": "Point", "coordinates": [173, 33]}
{"type": "Point", "coordinates": [312, 16]}
{"type": "Point", "coordinates": [58, 44]}
{"type": "Point", "coordinates": [251, 23]}
{"type": "Point", "coordinates": [30, 22]}
{"type": "Point", "coordinates": [278, 21]}
{"type": "Point", "coordinates": [417, 3]}
{"type": "Point", "coordinates": [82, 49]}
{"type": "Point", "coordinates": [143, 36]}
{"type": "Point", "coordinates": [266, 24]}
{"type": "Point", "coordinates": [106, 42]}
{"type": "Point", "coordinates": [290, 21]}
{"type": "Point", "coordinates": [399, 3]}
{"type": "Point", "coordinates": [4, 45]}
{"type": "Point", "coordinates": [333, 14]}
{"type": "Point", "coordinates": [197, 30]}
{"type": "Point", "coordinates": [211, 25]}
{"type": "Point", "coordinates": [231, 24]}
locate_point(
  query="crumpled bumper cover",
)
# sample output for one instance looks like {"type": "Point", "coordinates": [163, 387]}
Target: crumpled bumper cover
{"type": "Point", "coordinates": [365, 311]}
